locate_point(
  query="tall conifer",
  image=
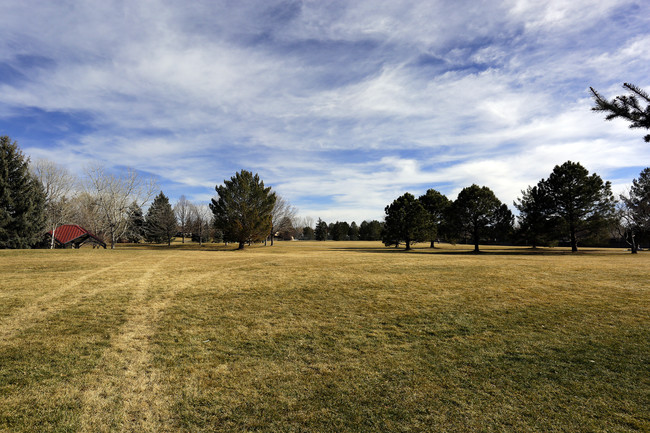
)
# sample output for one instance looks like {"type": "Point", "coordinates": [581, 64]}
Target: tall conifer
{"type": "Point", "coordinates": [160, 223]}
{"type": "Point", "coordinates": [22, 199]}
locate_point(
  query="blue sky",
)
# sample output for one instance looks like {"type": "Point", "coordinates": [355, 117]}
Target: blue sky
{"type": "Point", "coordinates": [341, 106]}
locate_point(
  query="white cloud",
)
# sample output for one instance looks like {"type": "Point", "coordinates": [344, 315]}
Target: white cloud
{"type": "Point", "coordinates": [341, 106]}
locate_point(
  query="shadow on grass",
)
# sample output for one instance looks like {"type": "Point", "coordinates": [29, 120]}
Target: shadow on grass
{"type": "Point", "coordinates": [185, 247]}
{"type": "Point", "coordinates": [514, 251]}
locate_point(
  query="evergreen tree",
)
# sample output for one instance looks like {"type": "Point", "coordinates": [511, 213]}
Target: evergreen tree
{"type": "Point", "coordinates": [370, 231]}
{"type": "Point", "coordinates": [503, 224]}
{"type": "Point", "coordinates": [22, 199]}
{"type": "Point", "coordinates": [436, 204]}
{"type": "Point", "coordinates": [160, 223]}
{"type": "Point", "coordinates": [406, 221]}
{"type": "Point", "coordinates": [629, 107]}
{"type": "Point", "coordinates": [339, 231]}
{"type": "Point", "coordinates": [244, 208]}
{"type": "Point", "coordinates": [535, 221]}
{"type": "Point", "coordinates": [307, 233]}
{"type": "Point", "coordinates": [353, 233]}
{"type": "Point", "coordinates": [320, 234]}
{"type": "Point", "coordinates": [475, 213]}
{"type": "Point", "coordinates": [135, 226]}
{"type": "Point", "coordinates": [583, 204]}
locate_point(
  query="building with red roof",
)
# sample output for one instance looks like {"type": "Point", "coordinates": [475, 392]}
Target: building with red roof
{"type": "Point", "coordinates": [74, 236]}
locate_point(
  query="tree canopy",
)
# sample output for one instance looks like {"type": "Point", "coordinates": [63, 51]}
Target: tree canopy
{"type": "Point", "coordinates": [22, 199]}
{"type": "Point", "coordinates": [320, 233]}
{"type": "Point", "coordinates": [160, 222]}
{"type": "Point", "coordinates": [406, 221]}
{"type": "Point", "coordinates": [370, 230]}
{"type": "Point", "coordinates": [582, 203]}
{"type": "Point", "coordinates": [243, 210]}
{"type": "Point", "coordinates": [477, 212]}
{"type": "Point", "coordinates": [629, 107]}
{"type": "Point", "coordinates": [535, 208]}
{"type": "Point", "coordinates": [436, 204]}
{"type": "Point", "coordinates": [135, 226]}
{"type": "Point", "coordinates": [113, 195]}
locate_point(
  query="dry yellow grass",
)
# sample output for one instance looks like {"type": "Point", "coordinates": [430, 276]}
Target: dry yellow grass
{"type": "Point", "coordinates": [309, 336]}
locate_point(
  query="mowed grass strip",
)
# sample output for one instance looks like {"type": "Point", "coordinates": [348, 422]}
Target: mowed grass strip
{"type": "Point", "coordinates": [333, 337]}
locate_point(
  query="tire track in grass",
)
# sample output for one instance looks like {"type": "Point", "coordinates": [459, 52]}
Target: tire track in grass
{"type": "Point", "coordinates": [48, 303]}
{"type": "Point", "coordinates": [126, 392]}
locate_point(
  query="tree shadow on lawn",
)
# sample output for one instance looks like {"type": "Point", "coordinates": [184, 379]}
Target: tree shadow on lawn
{"type": "Point", "coordinates": [489, 251]}
{"type": "Point", "coordinates": [184, 247]}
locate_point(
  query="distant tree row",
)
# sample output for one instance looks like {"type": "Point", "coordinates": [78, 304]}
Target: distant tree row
{"type": "Point", "coordinates": [342, 231]}
{"type": "Point", "coordinates": [570, 205]}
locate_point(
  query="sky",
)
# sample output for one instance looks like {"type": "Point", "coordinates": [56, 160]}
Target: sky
{"type": "Point", "coordinates": [340, 106]}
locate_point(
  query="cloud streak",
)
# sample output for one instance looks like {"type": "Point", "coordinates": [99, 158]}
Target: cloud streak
{"type": "Point", "coordinates": [340, 106]}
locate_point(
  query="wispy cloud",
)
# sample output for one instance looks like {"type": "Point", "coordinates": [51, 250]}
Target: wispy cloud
{"type": "Point", "coordinates": [341, 106]}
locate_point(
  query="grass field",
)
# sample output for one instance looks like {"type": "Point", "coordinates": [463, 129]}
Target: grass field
{"type": "Point", "coordinates": [324, 337]}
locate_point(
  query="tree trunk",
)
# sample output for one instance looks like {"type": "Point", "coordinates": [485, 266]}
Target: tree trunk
{"type": "Point", "coordinates": [476, 250]}
{"type": "Point", "coordinates": [574, 242]}
{"type": "Point", "coordinates": [433, 243]}
{"type": "Point", "coordinates": [408, 245]}
{"type": "Point", "coordinates": [53, 233]}
{"type": "Point", "coordinates": [241, 245]}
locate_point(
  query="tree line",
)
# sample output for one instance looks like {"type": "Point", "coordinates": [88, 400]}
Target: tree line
{"type": "Point", "coordinates": [570, 204]}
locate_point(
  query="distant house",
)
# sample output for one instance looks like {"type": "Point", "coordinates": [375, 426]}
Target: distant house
{"type": "Point", "coordinates": [74, 236]}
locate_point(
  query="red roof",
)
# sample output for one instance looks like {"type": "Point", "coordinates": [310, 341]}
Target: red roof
{"type": "Point", "coordinates": [69, 232]}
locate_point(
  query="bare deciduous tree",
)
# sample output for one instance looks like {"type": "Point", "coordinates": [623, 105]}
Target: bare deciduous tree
{"type": "Point", "coordinates": [114, 194]}
{"type": "Point", "coordinates": [58, 184]}
{"type": "Point", "coordinates": [200, 219]}
{"type": "Point", "coordinates": [85, 212]}
{"type": "Point", "coordinates": [182, 211]}
{"type": "Point", "coordinates": [282, 216]}
{"type": "Point", "coordinates": [624, 227]}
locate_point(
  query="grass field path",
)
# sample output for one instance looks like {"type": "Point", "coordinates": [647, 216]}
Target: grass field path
{"type": "Point", "coordinates": [125, 392]}
{"type": "Point", "coordinates": [122, 392]}
{"type": "Point", "coordinates": [55, 298]}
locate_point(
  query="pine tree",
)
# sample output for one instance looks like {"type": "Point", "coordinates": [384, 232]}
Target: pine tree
{"type": "Point", "coordinates": [135, 226]}
{"type": "Point", "coordinates": [583, 203]}
{"type": "Point", "coordinates": [476, 213]}
{"type": "Point", "coordinates": [320, 234]}
{"type": "Point", "coordinates": [629, 107]}
{"type": "Point", "coordinates": [244, 208]}
{"type": "Point", "coordinates": [406, 221]}
{"type": "Point", "coordinates": [160, 223]}
{"type": "Point", "coordinates": [22, 199]}
{"type": "Point", "coordinates": [535, 221]}
{"type": "Point", "coordinates": [353, 233]}
{"type": "Point", "coordinates": [370, 231]}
